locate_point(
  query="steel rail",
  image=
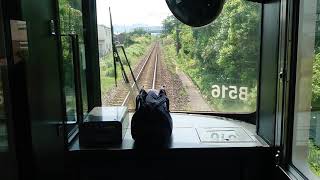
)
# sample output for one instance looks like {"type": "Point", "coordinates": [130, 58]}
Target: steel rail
{"type": "Point", "coordinates": [155, 72]}
{"type": "Point", "coordinates": [139, 75]}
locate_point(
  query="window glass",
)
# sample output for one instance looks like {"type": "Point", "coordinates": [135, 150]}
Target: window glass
{"type": "Point", "coordinates": [306, 133]}
{"type": "Point", "coordinates": [3, 118]}
{"type": "Point", "coordinates": [211, 68]}
{"type": "Point", "coordinates": [3, 114]}
{"type": "Point", "coordinates": [71, 23]}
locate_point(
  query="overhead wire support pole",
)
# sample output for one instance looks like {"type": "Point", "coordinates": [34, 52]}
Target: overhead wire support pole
{"type": "Point", "coordinates": [114, 50]}
{"type": "Point", "coordinates": [132, 74]}
{"type": "Point", "coordinates": [116, 58]}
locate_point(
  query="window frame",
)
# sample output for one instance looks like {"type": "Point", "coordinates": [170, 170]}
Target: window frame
{"type": "Point", "coordinates": [91, 38]}
{"type": "Point", "coordinates": [92, 59]}
{"type": "Point", "coordinates": [252, 116]}
{"type": "Point", "coordinates": [285, 133]}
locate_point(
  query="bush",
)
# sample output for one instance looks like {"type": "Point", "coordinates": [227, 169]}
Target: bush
{"type": "Point", "coordinates": [314, 158]}
{"type": "Point", "coordinates": [137, 48]}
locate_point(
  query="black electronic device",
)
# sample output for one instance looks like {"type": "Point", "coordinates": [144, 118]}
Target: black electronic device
{"type": "Point", "coordinates": [104, 126]}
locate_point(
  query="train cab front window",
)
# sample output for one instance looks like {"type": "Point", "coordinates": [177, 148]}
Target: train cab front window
{"type": "Point", "coordinates": [205, 69]}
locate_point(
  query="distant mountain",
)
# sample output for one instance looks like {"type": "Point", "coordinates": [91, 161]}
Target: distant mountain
{"type": "Point", "coordinates": [129, 28]}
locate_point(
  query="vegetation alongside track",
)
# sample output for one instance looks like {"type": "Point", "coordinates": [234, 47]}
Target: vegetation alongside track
{"type": "Point", "coordinates": [136, 43]}
{"type": "Point", "coordinates": [314, 158]}
{"type": "Point", "coordinates": [223, 53]}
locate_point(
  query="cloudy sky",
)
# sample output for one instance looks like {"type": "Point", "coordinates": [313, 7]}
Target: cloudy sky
{"type": "Point", "coordinates": [128, 12]}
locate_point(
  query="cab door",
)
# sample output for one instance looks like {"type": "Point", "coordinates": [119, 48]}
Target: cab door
{"type": "Point", "coordinates": [45, 89]}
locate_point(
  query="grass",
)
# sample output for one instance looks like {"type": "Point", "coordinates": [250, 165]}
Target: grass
{"type": "Point", "coordinates": [134, 53]}
{"type": "Point", "coordinates": [314, 158]}
{"type": "Point", "coordinates": [190, 66]}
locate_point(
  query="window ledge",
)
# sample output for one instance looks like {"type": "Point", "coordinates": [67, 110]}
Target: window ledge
{"type": "Point", "coordinates": [191, 131]}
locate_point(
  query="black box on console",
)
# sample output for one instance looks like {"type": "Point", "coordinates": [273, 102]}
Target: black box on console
{"type": "Point", "coordinates": [104, 126]}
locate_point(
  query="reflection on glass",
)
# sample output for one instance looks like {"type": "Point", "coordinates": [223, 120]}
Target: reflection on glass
{"type": "Point", "coordinates": [306, 134]}
{"type": "Point", "coordinates": [212, 68]}
{"type": "Point", "coordinates": [69, 86]}
{"type": "Point", "coordinates": [3, 114]}
{"type": "Point", "coordinates": [83, 78]}
{"type": "Point", "coordinates": [3, 120]}
{"type": "Point", "coordinates": [71, 23]}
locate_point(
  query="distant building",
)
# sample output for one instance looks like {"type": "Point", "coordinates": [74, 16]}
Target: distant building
{"type": "Point", "coordinates": [104, 40]}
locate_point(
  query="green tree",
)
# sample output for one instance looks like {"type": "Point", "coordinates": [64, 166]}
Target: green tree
{"type": "Point", "coordinates": [70, 22]}
{"type": "Point", "coordinates": [169, 24]}
{"type": "Point", "coordinates": [224, 52]}
{"type": "Point", "coordinates": [134, 36]}
{"type": "Point", "coordinates": [316, 81]}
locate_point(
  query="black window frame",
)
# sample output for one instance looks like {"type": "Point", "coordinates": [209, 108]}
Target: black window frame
{"type": "Point", "coordinates": [92, 64]}
{"type": "Point", "coordinates": [270, 41]}
{"type": "Point", "coordinates": [249, 117]}
{"type": "Point", "coordinates": [290, 14]}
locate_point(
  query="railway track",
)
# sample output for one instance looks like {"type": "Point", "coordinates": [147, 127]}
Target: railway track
{"type": "Point", "coordinates": [153, 72]}
{"type": "Point", "coordinates": [147, 76]}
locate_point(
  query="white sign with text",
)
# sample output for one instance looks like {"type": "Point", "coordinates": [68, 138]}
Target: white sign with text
{"type": "Point", "coordinates": [233, 92]}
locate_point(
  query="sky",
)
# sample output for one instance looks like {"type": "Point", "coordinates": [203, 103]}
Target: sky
{"type": "Point", "coordinates": [128, 12]}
